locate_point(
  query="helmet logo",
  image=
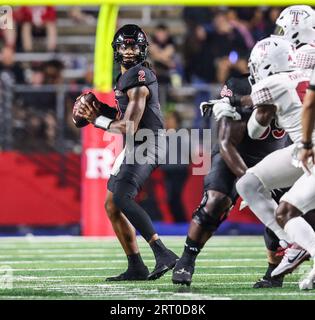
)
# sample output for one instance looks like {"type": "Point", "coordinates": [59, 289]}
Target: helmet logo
{"type": "Point", "coordinates": [129, 41]}
{"type": "Point", "coordinates": [263, 45]}
{"type": "Point", "coordinates": [225, 92]}
{"type": "Point", "coordinates": [296, 15]}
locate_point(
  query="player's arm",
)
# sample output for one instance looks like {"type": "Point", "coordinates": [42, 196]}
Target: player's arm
{"type": "Point", "coordinates": [231, 133]}
{"type": "Point", "coordinates": [308, 120]}
{"type": "Point", "coordinates": [260, 120]}
{"type": "Point", "coordinates": [308, 116]}
{"type": "Point", "coordinates": [129, 124]}
{"type": "Point", "coordinates": [241, 101]}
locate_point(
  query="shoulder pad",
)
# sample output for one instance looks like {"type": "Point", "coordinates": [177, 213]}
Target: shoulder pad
{"type": "Point", "coordinates": [135, 77]}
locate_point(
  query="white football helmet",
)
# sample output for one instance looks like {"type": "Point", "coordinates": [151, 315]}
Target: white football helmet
{"type": "Point", "coordinates": [269, 56]}
{"type": "Point", "coordinates": [296, 24]}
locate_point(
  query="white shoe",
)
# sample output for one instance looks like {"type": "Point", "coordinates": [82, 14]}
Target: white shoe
{"type": "Point", "coordinates": [308, 282]}
{"type": "Point", "coordinates": [293, 257]}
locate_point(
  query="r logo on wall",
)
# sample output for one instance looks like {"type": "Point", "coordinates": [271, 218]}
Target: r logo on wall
{"type": "Point", "coordinates": [6, 18]}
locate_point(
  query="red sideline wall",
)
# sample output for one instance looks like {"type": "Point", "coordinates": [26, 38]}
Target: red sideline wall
{"type": "Point", "coordinates": [33, 194]}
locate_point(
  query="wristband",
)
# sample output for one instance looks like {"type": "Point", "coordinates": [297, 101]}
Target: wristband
{"type": "Point", "coordinates": [102, 122]}
{"type": "Point", "coordinates": [307, 145]}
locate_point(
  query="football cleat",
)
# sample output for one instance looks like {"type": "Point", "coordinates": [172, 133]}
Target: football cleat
{"type": "Point", "coordinates": [267, 282]}
{"type": "Point", "coordinates": [164, 263]}
{"type": "Point", "coordinates": [182, 273]}
{"type": "Point", "coordinates": [292, 258]}
{"type": "Point", "coordinates": [131, 274]}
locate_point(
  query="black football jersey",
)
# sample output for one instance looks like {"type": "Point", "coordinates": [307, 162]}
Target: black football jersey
{"type": "Point", "coordinates": [136, 76]}
{"type": "Point", "coordinates": [273, 139]}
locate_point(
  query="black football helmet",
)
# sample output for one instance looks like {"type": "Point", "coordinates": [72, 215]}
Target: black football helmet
{"type": "Point", "coordinates": [128, 35]}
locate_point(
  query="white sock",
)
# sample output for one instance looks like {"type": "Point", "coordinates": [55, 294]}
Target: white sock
{"type": "Point", "coordinates": [301, 233]}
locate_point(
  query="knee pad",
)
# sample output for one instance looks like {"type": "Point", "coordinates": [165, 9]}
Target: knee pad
{"type": "Point", "coordinates": [205, 219]}
{"type": "Point", "coordinates": [271, 240]}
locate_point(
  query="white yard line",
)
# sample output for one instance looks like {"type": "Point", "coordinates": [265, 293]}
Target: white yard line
{"type": "Point", "coordinates": [87, 261]}
{"type": "Point", "coordinates": [119, 268]}
{"type": "Point", "coordinates": [97, 239]}
{"type": "Point", "coordinates": [106, 252]}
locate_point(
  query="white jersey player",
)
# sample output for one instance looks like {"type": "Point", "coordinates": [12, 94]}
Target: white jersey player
{"type": "Point", "coordinates": [296, 24]}
{"type": "Point", "coordinates": [278, 93]}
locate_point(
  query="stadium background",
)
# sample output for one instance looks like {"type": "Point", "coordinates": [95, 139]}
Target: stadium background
{"type": "Point", "coordinates": [53, 176]}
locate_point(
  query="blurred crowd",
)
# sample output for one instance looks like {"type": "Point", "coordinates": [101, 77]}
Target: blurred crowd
{"type": "Point", "coordinates": [214, 46]}
{"type": "Point", "coordinates": [35, 126]}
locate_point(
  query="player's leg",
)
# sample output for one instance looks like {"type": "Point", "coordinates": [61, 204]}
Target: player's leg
{"type": "Point", "coordinates": [272, 245]}
{"type": "Point", "coordinates": [126, 235]}
{"type": "Point", "coordinates": [212, 211]}
{"type": "Point", "coordinates": [206, 219]}
{"type": "Point", "coordinates": [273, 172]}
{"type": "Point", "coordinates": [129, 181]}
{"type": "Point", "coordinates": [299, 200]}
{"type": "Point", "coordinates": [274, 255]}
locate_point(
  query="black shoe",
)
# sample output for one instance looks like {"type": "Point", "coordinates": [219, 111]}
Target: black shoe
{"type": "Point", "coordinates": [164, 263]}
{"type": "Point", "coordinates": [132, 274]}
{"type": "Point", "coordinates": [182, 273]}
{"type": "Point", "coordinates": [268, 282]}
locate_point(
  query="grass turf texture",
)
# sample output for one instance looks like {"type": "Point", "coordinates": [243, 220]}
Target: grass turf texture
{"type": "Point", "coordinates": [75, 268]}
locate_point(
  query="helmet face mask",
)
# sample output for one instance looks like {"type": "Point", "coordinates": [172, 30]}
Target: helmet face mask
{"type": "Point", "coordinates": [253, 76]}
{"type": "Point", "coordinates": [130, 45]}
{"type": "Point", "coordinates": [278, 31]}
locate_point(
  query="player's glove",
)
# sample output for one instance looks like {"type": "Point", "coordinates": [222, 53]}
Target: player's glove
{"type": "Point", "coordinates": [206, 107]}
{"type": "Point", "coordinates": [222, 108]}
{"type": "Point", "coordinates": [307, 166]}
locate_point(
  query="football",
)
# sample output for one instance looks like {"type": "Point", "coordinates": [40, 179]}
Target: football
{"type": "Point", "coordinates": [78, 120]}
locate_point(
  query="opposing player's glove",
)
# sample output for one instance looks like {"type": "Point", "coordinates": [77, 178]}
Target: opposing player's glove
{"type": "Point", "coordinates": [220, 108]}
{"type": "Point", "coordinates": [223, 108]}
{"type": "Point", "coordinates": [206, 107]}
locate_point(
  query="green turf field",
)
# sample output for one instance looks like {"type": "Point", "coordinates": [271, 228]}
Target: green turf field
{"type": "Point", "coordinates": [75, 268]}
